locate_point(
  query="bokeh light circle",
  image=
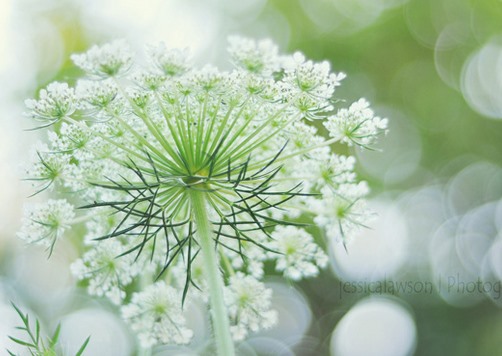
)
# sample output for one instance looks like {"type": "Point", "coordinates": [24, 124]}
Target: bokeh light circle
{"type": "Point", "coordinates": [402, 149]}
{"type": "Point", "coordinates": [294, 314]}
{"type": "Point", "coordinates": [451, 49]}
{"type": "Point", "coordinates": [476, 184]}
{"type": "Point", "coordinates": [179, 24]}
{"type": "Point", "coordinates": [495, 257]}
{"type": "Point", "coordinates": [375, 326]}
{"type": "Point", "coordinates": [107, 332]}
{"type": "Point", "coordinates": [263, 346]}
{"type": "Point", "coordinates": [482, 80]}
{"type": "Point", "coordinates": [377, 252]}
{"type": "Point", "coordinates": [452, 279]}
{"type": "Point", "coordinates": [46, 281]}
{"type": "Point", "coordinates": [424, 212]}
{"type": "Point", "coordinates": [346, 17]}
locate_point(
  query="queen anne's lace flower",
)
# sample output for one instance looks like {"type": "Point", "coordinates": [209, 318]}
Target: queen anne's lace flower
{"type": "Point", "coordinates": [170, 62]}
{"type": "Point", "coordinates": [149, 81]}
{"type": "Point", "coordinates": [94, 94]}
{"type": "Point", "coordinates": [156, 316]}
{"type": "Point", "coordinates": [45, 223]}
{"type": "Point", "coordinates": [298, 255]}
{"type": "Point", "coordinates": [108, 274]}
{"type": "Point", "coordinates": [252, 262]}
{"type": "Point", "coordinates": [249, 306]}
{"type": "Point", "coordinates": [110, 60]}
{"type": "Point", "coordinates": [144, 154]}
{"type": "Point", "coordinates": [309, 86]}
{"type": "Point", "coordinates": [356, 125]}
{"type": "Point", "coordinates": [256, 57]}
{"type": "Point", "coordinates": [342, 215]}
{"type": "Point", "coordinates": [45, 168]}
{"type": "Point", "coordinates": [55, 102]}
{"type": "Point", "coordinates": [315, 79]}
{"type": "Point", "coordinates": [335, 170]}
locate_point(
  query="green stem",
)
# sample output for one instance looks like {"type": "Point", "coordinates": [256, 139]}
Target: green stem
{"type": "Point", "coordinates": [145, 280]}
{"type": "Point", "coordinates": [219, 313]}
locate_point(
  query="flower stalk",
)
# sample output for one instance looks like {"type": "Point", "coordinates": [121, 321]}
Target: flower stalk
{"type": "Point", "coordinates": [214, 280]}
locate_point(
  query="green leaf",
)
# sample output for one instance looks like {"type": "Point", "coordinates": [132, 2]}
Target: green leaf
{"type": "Point", "coordinates": [21, 342]}
{"type": "Point", "coordinates": [82, 348]}
{"type": "Point", "coordinates": [55, 336]}
{"type": "Point", "coordinates": [37, 331]}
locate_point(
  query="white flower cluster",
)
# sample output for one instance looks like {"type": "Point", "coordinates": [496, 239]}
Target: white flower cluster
{"type": "Point", "coordinates": [56, 102]}
{"type": "Point", "coordinates": [97, 95]}
{"type": "Point", "coordinates": [310, 86]}
{"type": "Point", "coordinates": [46, 169]}
{"type": "Point", "coordinates": [356, 125]}
{"type": "Point", "coordinates": [342, 215]}
{"type": "Point", "coordinates": [110, 60]}
{"type": "Point", "coordinates": [45, 223]}
{"type": "Point", "coordinates": [170, 62]}
{"type": "Point", "coordinates": [107, 273]}
{"type": "Point", "coordinates": [256, 57]}
{"type": "Point", "coordinates": [131, 152]}
{"type": "Point", "coordinates": [299, 256]}
{"type": "Point", "coordinates": [156, 316]}
{"type": "Point", "coordinates": [249, 303]}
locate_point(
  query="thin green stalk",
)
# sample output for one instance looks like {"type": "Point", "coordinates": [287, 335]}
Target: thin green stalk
{"type": "Point", "coordinates": [145, 280]}
{"type": "Point", "coordinates": [219, 313]}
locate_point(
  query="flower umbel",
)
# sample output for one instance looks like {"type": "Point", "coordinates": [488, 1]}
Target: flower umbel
{"type": "Point", "coordinates": [156, 315]}
{"type": "Point", "coordinates": [172, 165]}
{"type": "Point", "coordinates": [55, 102]}
{"type": "Point", "coordinates": [45, 223]}
{"type": "Point", "coordinates": [249, 305]}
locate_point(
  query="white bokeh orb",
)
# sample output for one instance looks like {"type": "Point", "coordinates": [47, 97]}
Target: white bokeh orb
{"type": "Point", "coordinates": [180, 24]}
{"type": "Point", "coordinates": [482, 80]}
{"type": "Point", "coordinates": [376, 252]}
{"type": "Point", "coordinates": [402, 146]}
{"type": "Point", "coordinates": [294, 314]}
{"type": "Point", "coordinates": [108, 335]}
{"type": "Point", "coordinates": [375, 326]}
{"type": "Point", "coordinates": [46, 280]}
{"type": "Point", "coordinates": [454, 282]}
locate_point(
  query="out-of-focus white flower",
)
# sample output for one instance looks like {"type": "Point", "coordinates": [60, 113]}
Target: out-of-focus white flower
{"type": "Point", "coordinates": [55, 102]}
{"type": "Point", "coordinates": [171, 62]}
{"type": "Point", "coordinates": [256, 57]}
{"type": "Point", "coordinates": [149, 81]}
{"type": "Point", "coordinates": [298, 256]}
{"type": "Point", "coordinates": [249, 303]}
{"type": "Point", "coordinates": [109, 60]}
{"type": "Point", "coordinates": [45, 223]}
{"type": "Point", "coordinates": [46, 169]}
{"type": "Point", "coordinates": [156, 316]}
{"type": "Point", "coordinates": [96, 94]}
{"type": "Point", "coordinates": [342, 213]}
{"type": "Point", "coordinates": [108, 274]}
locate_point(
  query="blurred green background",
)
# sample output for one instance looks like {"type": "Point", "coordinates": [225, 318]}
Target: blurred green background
{"type": "Point", "coordinates": [433, 67]}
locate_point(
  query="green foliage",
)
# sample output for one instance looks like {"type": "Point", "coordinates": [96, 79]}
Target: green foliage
{"type": "Point", "coordinates": [35, 344]}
